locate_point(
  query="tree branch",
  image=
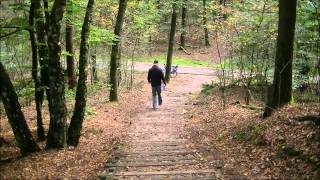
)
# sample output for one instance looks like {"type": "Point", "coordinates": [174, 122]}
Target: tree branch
{"type": "Point", "coordinates": [10, 33]}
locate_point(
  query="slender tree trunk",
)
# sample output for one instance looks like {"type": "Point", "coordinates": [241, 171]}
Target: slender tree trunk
{"type": "Point", "coordinates": [57, 129]}
{"type": "Point", "coordinates": [183, 25]}
{"type": "Point", "coordinates": [81, 95]}
{"type": "Point", "coordinates": [16, 118]}
{"type": "Point", "coordinates": [204, 23]}
{"type": "Point", "coordinates": [43, 52]}
{"type": "Point", "coordinates": [69, 48]}
{"type": "Point", "coordinates": [47, 15]}
{"type": "Point", "coordinates": [37, 84]}
{"type": "Point", "coordinates": [171, 42]}
{"type": "Point", "coordinates": [114, 62]}
{"type": "Point", "coordinates": [94, 68]}
{"type": "Point", "coordinates": [281, 92]}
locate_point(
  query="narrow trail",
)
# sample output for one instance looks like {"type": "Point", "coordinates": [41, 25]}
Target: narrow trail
{"type": "Point", "coordinates": [157, 147]}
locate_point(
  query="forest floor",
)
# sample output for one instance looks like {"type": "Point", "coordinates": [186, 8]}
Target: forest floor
{"type": "Point", "coordinates": [278, 147]}
{"type": "Point", "coordinates": [105, 124]}
{"type": "Point", "coordinates": [226, 142]}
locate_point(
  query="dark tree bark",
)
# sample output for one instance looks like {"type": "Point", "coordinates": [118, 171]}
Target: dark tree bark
{"type": "Point", "coordinates": [171, 42]}
{"type": "Point", "coordinates": [47, 15]}
{"type": "Point", "coordinates": [204, 23]}
{"type": "Point", "coordinates": [222, 2]}
{"type": "Point", "coordinates": [57, 107]}
{"type": "Point", "coordinates": [36, 79]}
{"type": "Point", "coordinates": [281, 91]}
{"type": "Point", "coordinates": [16, 118]}
{"type": "Point", "coordinates": [69, 48]}
{"type": "Point", "coordinates": [41, 31]}
{"type": "Point", "coordinates": [81, 95]}
{"type": "Point", "coordinates": [183, 25]}
{"type": "Point", "coordinates": [114, 61]}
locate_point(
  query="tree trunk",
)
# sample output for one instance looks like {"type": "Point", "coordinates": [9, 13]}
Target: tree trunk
{"type": "Point", "coordinates": [16, 118]}
{"type": "Point", "coordinates": [114, 64]}
{"type": "Point", "coordinates": [37, 85]}
{"type": "Point", "coordinates": [222, 2]}
{"type": "Point", "coordinates": [81, 95]}
{"type": "Point", "coordinates": [47, 15]}
{"type": "Point", "coordinates": [94, 67]}
{"type": "Point", "coordinates": [69, 48]}
{"type": "Point", "coordinates": [57, 107]}
{"type": "Point", "coordinates": [43, 51]}
{"type": "Point", "coordinates": [183, 25]}
{"type": "Point", "coordinates": [282, 82]}
{"type": "Point", "coordinates": [204, 21]}
{"type": "Point", "coordinates": [171, 42]}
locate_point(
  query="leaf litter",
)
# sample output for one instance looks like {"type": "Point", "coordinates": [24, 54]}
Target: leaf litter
{"type": "Point", "coordinates": [101, 131]}
{"type": "Point", "coordinates": [278, 147]}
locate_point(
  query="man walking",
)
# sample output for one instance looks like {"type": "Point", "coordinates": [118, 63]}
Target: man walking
{"type": "Point", "coordinates": [155, 76]}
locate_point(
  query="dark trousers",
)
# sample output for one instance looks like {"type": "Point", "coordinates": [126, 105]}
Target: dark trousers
{"type": "Point", "coordinates": [156, 91]}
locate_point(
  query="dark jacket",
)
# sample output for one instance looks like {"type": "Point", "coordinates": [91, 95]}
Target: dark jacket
{"type": "Point", "coordinates": [155, 76]}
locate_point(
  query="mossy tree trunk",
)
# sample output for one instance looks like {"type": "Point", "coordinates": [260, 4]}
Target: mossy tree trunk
{"type": "Point", "coordinates": [281, 91]}
{"type": "Point", "coordinates": [81, 94]}
{"type": "Point", "coordinates": [171, 42]}
{"type": "Point", "coordinates": [115, 52]}
{"type": "Point", "coordinates": [57, 107]}
{"type": "Point", "coordinates": [16, 118]}
{"type": "Point", "coordinates": [69, 48]}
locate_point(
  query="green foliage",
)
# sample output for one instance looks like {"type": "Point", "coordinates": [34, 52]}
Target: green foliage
{"type": "Point", "coordinates": [175, 60]}
{"type": "Point", "coordinates": [89, 111]}
{"type": "Point", "coordinates": [98, 34]}
{"type": "Point", "coordinates": [207, 88]}
{"type": "Point", "coordinates": [70, 94]}
{"type": "Point", "coordinates": [92, 89]}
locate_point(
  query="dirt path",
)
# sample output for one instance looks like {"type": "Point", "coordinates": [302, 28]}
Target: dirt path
{"type": "Point", "coordinates": [157, 147]}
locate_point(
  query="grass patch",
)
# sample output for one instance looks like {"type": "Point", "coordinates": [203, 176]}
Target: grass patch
{"type": "Point", "coordinates": [226, 63]}
{"type": "Point", "coordinates": [175, 60]}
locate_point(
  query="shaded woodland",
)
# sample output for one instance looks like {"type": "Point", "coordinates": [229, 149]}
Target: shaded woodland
{"type": "Point", "coordinates": [63, 62]}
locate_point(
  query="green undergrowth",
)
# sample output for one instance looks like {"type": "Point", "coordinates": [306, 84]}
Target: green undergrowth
{"type": "Point", "coordinates": [182, 61]}
{"type": "Point", "coordinates": [208, 88]}
{"type": "Point", "coordinates": [92, 89]}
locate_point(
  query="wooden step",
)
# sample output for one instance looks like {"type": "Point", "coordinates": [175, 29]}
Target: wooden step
{"type": "Point", "coordinates": [147, 164]}
{"type": "Point", "coordinates": [156, 153]}
{"type": "Point", "coordinates": [154, 173]}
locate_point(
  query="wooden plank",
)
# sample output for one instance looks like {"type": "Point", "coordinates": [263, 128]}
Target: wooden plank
{"type": "Point", "coordinates": [146, 164]}
{"type": "Point", "coordinates": [159, 148]}
{"type": "Point", "coordinates": [154, 173]}
{"type": "Point", "coordinates": [157, 143]}
{"type": "Point", "coordinates": [153, 158]}
{"type": "Point", "coordinates": [155, 153]}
